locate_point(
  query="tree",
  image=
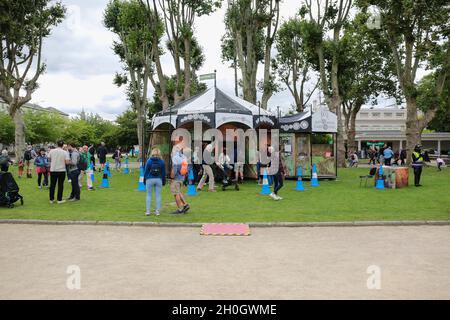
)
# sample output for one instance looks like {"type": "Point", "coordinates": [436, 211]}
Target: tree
{"type": "Point", "coordinates": [129, 21]}
{"type": "Point", "coordinates": [245, 21]}
{"type": "Point", "coordinates": [331, 17]}
{"type": "Point", "coordinates": [417, 32]}
{"type": "Point", "coordinates": [6, 129]}
{"type": "Point", "coordinates": [291, 62]}
{"type": "Point", "coordinates": [23, 27]}
{"type": "Point", "coordinates": [427, 99]}
{"type": "Point", "coordinates": [268, 84]}
{"type": "Point", "coordinates": [228, 53]}
{"type": "Point", "coordinates": [79, 132]}
{"type": "Point", "coordinates": [179, 19]}
{"type": "Point", "coordinates": [44, 126]}
{"type": "Point", "coordinates": [365, 71]}
{"type": "Point", "coordinates": [127, 128]}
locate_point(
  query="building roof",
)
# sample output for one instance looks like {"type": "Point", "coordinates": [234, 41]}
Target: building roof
{"type": "Point", "coordinates": [36, 107]}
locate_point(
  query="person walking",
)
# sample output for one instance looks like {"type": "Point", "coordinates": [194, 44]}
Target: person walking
{"type": "Point", "coordinates": [42, 167]}
{"type": "Point", "coordinates": [277, 169]}
{"type": "Point", "coordinates": [28, 157]}
{"type": "Point", "coordinates": [387, 155]}
{"type": "Point", "coordinates": [92, 156]}
{"type": "Point", "coordinates": [102, 152]}
{"type": "Point", "coordinates": [74, 172]}
{"type": "Point", "coordinates": [207, 172]}
{"type": "Point", "coordinates": [58, 160]}
{"type": "Point", "coordinates": [117, 156]}
{"type": "Point", "coordinates": [86, 156]}
{"type": "Point", "coordinates": [154, 179]}
{"type": "Point", "coordinates": [417, 164]}
{"type": "Point", "coordinates": [177, 174]}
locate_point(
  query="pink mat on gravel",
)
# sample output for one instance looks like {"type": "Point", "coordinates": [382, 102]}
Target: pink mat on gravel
{"type": "Point", "coordinates": [225, 229]}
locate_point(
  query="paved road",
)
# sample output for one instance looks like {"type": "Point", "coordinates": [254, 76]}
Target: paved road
{"type": "Point", "coordinates": [178, 263]}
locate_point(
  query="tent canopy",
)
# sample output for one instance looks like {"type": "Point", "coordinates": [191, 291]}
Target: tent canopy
{"type": "Point", "coordinates": [321, 120]}
{"type": "Point", "coordinates": [227, 109]}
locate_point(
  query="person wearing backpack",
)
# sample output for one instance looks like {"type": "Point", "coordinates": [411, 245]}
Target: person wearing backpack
{"type": "Point", "coordinates": [177, 174]}
{"type": "Point", "coordinates": [154, 178]}
{"type": "Point", "coordinates": [74, 166]}
{"type": "Point", "coordinates": [28, 157]}
{"type": "Point", "coordinates": [42, 168]}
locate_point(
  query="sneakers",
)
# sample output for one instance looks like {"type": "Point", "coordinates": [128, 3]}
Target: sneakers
{"type": "Point", "coordinates": [60, 202]}
{"type": "Point", "coordinates": [52, 201]}
{"type": "Point", "coordinates": [157, 213]}
{"type": "Point", "coordinates": [177, 212]}
{"type": "Point", "coordinates": [73, 200]}
{"type": "Point", "coordinates": [274, 196]}
{"type": "Point", "coordinates": [147, 214]}
{"type": "Point", "coordinates": [186, 208]}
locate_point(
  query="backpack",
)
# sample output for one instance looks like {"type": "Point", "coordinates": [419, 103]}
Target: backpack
{"type": "Point", "coordinates": [155, 169]}
{"type": "Point", "coordinates": [27, 155]}
{"type": "Point", "coordinates": [3, 160]}
{"type": "Point", "coordinates": [82, 163]}
{"type": "Point", "coordinates": [184, 167]}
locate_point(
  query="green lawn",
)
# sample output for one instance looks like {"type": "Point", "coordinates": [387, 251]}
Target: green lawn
{"type": "Point", "coordinates": [341, 200]}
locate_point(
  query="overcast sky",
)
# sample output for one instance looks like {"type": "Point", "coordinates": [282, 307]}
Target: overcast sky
{"type": "Point", "coordinates": [81, 64]}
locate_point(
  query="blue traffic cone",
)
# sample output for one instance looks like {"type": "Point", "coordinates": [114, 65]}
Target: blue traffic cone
{"type": "Point", "coordinates": [380, 180]}
{"type": "Point", "coordinates": [126, 170]}
{"type": "Point", "coordinates": [265, 187]}
{"type": "Point", "coordinates": [192, 190]}
{"type": "Point", "coordinates": [105, 181]}
{"type": "Point", "coordinates": [141, 185]}
{"type": "Point", "coordinates": [314, 179]}
{"type": "Point", "coordinates": [299, 186]}
{"type": "Point", "coordinates": [108, 172]}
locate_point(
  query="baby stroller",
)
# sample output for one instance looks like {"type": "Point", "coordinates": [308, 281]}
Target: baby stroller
{"type": "Point", "coordinates": [9, 190]}
{"type": "Point", "coordinates": [227, 180]}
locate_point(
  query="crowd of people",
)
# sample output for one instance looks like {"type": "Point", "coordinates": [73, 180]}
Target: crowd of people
{"type": "Point", "coordinates": [183, 161]}
{"type": "Point", "coordinates": [55, 163]}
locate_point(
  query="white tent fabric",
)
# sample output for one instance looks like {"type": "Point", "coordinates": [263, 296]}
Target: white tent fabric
{"type": "Point", "coordinates": [227, 108]}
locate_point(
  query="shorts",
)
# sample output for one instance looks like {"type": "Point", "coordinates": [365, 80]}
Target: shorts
{"type": "Point", "coordinates": [239, 167]}
{"type": "Point", "coordinates": [102, 160]}
{"type": "Point", "coordinates": [175, 187]}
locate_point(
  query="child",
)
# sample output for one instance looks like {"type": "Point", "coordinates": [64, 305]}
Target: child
{"type": "Point", "coordinates": [21, 165]}
{"type": "Point", "coordinates": [42, 165]}
{"type": "Point", "coordinates": [440, 162]}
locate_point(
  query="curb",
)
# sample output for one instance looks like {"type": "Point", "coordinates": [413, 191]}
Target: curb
{"type": "Point", "coordinates": [251, 224]}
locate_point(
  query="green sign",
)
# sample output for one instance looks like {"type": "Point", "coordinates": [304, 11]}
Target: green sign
{"type": "Point", "coordinates": [375, 143]}
{"type": "Point", "coordinates": [209, 76]}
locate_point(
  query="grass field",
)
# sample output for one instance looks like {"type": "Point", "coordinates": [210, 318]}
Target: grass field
{"type": "Point", "coordinates": [341, 200]}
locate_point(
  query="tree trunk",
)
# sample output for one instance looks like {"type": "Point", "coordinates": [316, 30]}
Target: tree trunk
{"type": "Point", "coordinates": [412, 127]}
{"type": "Point", "coordinates": [236, 90]}
{"type": "Point", "coordinates": [187, 68]}
{"type": "Point", "coordinates": [267, 91]}
{"type": "Point", "coordinates": [340, 140]}
{"type": "Point", "coordinates": [19, 139]}
{"type": "Point", "coordinates": [351, 133]}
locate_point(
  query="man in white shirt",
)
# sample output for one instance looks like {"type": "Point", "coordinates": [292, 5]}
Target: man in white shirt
{"type": "Point", "coordinates": [58, 158]}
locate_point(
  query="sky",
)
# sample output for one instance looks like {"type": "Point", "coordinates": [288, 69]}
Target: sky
{"type": "Point", "coordinates": [81, 64]}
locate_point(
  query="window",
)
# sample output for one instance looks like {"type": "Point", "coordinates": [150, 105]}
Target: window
{"type": "Point", "coordinates": [375, 114]}
{"type": "Point", "coordinates": [388, 114]}
{"type": "Point", "coordinates": [399, 114]}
